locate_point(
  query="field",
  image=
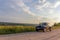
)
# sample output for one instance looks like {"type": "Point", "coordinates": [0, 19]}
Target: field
{"type": "Point", "coordinates": [16, 29]}
{"type": "Point", "coordinates": [8, 29]}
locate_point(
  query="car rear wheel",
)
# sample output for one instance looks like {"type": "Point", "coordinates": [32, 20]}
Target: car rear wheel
{"type": "Point", "coordinates": [50, 29]}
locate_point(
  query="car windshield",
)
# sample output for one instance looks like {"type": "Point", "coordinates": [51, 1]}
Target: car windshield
{"type": "Point", "coordinates": [44, 23]}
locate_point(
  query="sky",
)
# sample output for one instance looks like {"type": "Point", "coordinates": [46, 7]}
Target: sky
{"type": "Point", "coordinates": [30, 11]}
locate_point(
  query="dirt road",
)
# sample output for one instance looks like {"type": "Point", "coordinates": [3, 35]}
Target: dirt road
{"type": "Point", "coordinates": [53, 35]}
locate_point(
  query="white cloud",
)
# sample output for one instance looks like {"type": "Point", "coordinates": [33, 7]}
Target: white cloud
{"type": "Point", "coordinates": [25, 8]}
{"type": "Point", "coordinates": [27, 0]}
{"type": "Point", "coordinates": [43, 7]}
{"type": "Point", "coordinates": [51, 11]}
{"type": "Point", "coordinates": [42, 1]}
{"type": "Point", "coordinates": [57, 4]}
{"type": "Point", "coordinates": [48, 7]}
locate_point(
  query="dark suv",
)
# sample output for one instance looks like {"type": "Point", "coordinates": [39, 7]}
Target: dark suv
{"type": "Point", "coordinates": [43, 27]}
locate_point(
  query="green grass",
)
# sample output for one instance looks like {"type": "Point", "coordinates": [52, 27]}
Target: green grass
{"type": "Point", "coordinates": [56, 27]}
{"type": "Point", "coordinates": [16, 29]}
{"type": "Point", "coordinates": [19, 29]}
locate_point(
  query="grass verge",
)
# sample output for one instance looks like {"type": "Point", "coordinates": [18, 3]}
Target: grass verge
{"type": "Point", "coordinates": [19, 29]}
{"type": "Point", "coordinates": [16, 29]}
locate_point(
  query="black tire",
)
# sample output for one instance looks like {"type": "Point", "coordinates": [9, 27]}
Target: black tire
{"type": "Point", "coordinates": [37, 30]}
{"type": "Point", "coordinates": [50, 29]}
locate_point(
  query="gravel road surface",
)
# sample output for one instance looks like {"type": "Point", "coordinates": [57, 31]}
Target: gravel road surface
{"type": "Point", "coordinates": [53, 35]}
